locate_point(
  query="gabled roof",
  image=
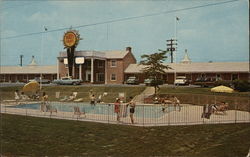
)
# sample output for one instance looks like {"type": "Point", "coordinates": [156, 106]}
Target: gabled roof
{"type": "Point", "coordinates": [48, 69]}
{"type": "Point", "coordinates": [198, 67]}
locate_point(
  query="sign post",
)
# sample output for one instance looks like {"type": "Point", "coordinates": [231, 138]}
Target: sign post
{"type": "Point", "coordinates": [70, 41]}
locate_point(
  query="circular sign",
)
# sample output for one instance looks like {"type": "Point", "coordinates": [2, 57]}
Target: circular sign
{"type": "Point", "coordinates": [70, 39]}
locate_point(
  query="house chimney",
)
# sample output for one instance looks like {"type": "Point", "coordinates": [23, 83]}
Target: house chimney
{"type": "Point", "coordinates": [128, 49]}
{"type": "Point", "coordinates": [21, 60]}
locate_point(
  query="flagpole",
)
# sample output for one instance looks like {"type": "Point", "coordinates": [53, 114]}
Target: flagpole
{"type": "Point", "coordinates": [175, 48]}
{"type": "Point", "coordinates": [42, 44]}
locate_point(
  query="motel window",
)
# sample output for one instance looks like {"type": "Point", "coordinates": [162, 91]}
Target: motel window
{"type": "Point", "coordinates": [113, 77]}
{"type": "Point", "coordinates": [100, 64]}
{"type": "Point", "coordinates": [113, 63]}
{"type": "Point", "coordinates": [88, 64]}
{"type": "Point", "coordinates": [218, 77]}
{"type": "Point", "coordinates": [100, 77]}
{"type": "Point", "coordinates": [235, 77]}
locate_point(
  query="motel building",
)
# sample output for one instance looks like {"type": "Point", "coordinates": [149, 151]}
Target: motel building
{"type": "Point", "coordinates": [106, 67]}
{"type": "Point", "coordinates": [114, 67]}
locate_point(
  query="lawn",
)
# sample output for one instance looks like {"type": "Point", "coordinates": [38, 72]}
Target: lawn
{"type": "Point", "coordinates": [206, 91]}
{"type": "Point", "coordinates": [30, 136]}
{"type": "Point", "coordinates": [83, 91]}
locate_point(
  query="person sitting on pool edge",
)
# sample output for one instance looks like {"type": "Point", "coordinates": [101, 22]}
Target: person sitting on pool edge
{"type": "Point", "coordinates": [92, 100]}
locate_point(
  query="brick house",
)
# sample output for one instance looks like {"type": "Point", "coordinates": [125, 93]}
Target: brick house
{"type": "Point", "coordinates": [99, 67]}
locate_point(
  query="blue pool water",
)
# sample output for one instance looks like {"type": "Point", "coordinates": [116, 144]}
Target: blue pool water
{"type": "Point", "coordinates": [103, 109]}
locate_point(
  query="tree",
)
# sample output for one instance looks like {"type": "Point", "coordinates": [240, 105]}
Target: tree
{"type": "Point", "coordinates": [154, 66]}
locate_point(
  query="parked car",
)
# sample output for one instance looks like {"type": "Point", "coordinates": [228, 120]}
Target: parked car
{"type": "Point", "coordinates": [181, 80]}
{"type": "Point", "coordinates": [67, 81]}
{"type": "Point", "coordinates": [151, 82]}
{"type": "Point", "coordinates": [43, 81]}
{"type": "Point", "coordinates": [132, 80]}
{"type": "Point", "coordinates": [205, 81]}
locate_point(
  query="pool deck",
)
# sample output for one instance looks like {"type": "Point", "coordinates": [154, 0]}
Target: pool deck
{"type": "Point", "coordinates": [188, 115]}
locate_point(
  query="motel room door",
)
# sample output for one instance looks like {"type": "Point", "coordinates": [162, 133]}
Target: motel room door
{"type": "Point", "coordinates": [88, 75]}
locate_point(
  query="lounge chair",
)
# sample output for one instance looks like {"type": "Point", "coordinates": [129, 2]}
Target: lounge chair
{"type": "Point", "coordinates": [78, 112]}
{"type": "Point", "coordinates": [65, 98]}
{"type": "Point", "coordinates": [222, 108]}
{"type": "Point", "coordinates": [78, 100]}
{"type": "Point", "coordinates": [70, 98]}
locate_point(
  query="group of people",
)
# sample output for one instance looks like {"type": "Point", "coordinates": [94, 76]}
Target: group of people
{"type": "Point", "coordinates": [22, 97]}
{"type": "Point", "coordinates": [118, 109]}
{"type": "Point", "coordinates": [209, 109]}
{"type": "Point", "coordinates": [170, 100]}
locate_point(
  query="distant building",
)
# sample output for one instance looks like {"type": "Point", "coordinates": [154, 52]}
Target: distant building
{"type": "Point", "coordinates": [114, 67]}
{"type": "Point", "coordinates": [218, 70]}
{"type": "Point", "coordinates": [26, 73]}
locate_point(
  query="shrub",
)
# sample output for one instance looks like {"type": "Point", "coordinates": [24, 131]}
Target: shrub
{"type": "Point", "coordinates": [223, 82]}
{"type": "Point", "coordinates": [241, 86]}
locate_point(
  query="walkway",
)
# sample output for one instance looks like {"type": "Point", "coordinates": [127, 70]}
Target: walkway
{"type": "Point", "coordinates": [140, 98]}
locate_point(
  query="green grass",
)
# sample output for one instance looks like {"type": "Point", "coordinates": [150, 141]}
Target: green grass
{"type": "Point", "coordinates": [83, 91]}
{"type": "Point", "coordinates": [206, 91]}
{"type": "Point", "coordinates": [30, 136]}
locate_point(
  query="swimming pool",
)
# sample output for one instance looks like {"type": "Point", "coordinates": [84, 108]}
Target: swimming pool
{"type": "Point", "coordinates": [146, 111]}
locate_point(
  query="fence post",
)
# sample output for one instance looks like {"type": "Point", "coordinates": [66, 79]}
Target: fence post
{"type": "Point", "coordinates": [108, 113]}
{"type": "Point", "coordinates": [248, 110]}
{"type": "Point", "coordinates": [235, 109]}
{"type": "Point", "coordinates": [143, 115]}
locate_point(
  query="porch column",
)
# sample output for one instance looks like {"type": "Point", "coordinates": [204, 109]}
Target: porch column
{"type": "Point", "coordinates": [57, 72]}
{"type": "Point", "coordinates": [80, 71]}
{"type": "Point", "coordinates": [92, 70]}
{"type": "Point", "coordinates": [106, 72]}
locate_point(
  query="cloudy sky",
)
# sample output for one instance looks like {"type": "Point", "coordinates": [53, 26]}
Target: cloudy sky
{"type": "Point", "coordinates": [211, 30]}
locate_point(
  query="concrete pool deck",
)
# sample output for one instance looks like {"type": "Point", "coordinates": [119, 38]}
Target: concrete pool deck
{"type": "Point", "coordinates": [188, 115]}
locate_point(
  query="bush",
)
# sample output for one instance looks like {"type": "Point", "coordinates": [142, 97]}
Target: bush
{"type": "Point", "coordinates": [241, 86]}
{"type": "Point", "coordinates": [223, 82]}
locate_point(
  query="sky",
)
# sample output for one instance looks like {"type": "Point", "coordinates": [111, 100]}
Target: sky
{"type": "Point", "coordinates": [210, 30]}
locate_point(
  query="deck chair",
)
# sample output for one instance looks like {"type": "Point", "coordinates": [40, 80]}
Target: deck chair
{"type": "Point", "coordinates": [72, 96]}
{"type": "Point", "coordinates": [222, 108]}
{"type": "Point", "coordinates": [78, 112]}
{"type": "Point", "coordinates": [65, 98]}
{"type": "Point", "coordinates": [78, 100]}
{"type": "Point", "coordinates": [57, 95]}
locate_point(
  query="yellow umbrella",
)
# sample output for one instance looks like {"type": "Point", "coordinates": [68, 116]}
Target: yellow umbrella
{"type": "Point", "coordinates": [222, 89]}
{"type": "Point", "coordinates": [32, 86]}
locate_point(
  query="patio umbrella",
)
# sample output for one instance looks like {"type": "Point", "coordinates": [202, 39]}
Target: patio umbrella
{"type": "Point", "coordinates": [222, 89]}
{"type": "Point", "coordinates": [32, 86]}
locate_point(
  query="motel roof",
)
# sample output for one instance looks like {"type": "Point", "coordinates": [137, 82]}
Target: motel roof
{"type": "Point", "coordinates": [197, 67]}
{"type": "Point", "coordinates": [114, 54]}
{"type": "Point", "coordinates": [29, 69]}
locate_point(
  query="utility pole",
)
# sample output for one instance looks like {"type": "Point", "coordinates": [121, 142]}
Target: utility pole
{"type": "Point", "coordinates": [171, 48]}
{"type": "Point", "coordinates": [21, 60]}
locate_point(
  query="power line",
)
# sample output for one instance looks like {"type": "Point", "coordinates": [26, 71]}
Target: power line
{"type": "Point", "coordinates": [20, 5]}
{"type": "Point", "coordinates": [122, 19]}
